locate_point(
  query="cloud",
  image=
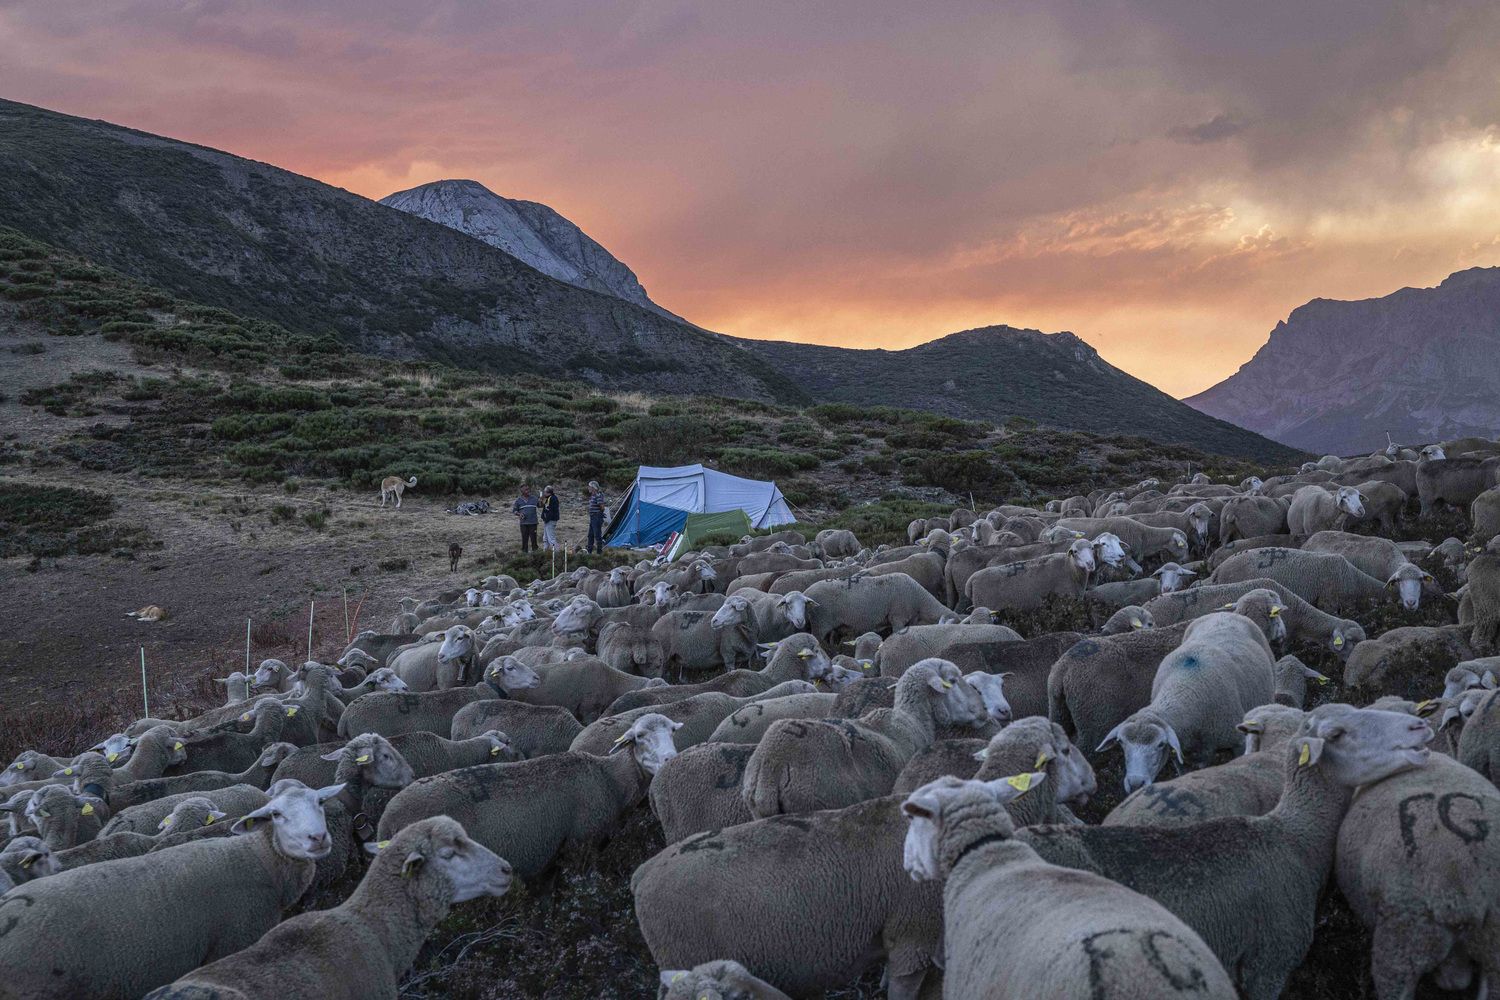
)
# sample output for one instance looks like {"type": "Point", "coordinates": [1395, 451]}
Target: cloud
{"type": "Point", "coordinates": [1218, 128]}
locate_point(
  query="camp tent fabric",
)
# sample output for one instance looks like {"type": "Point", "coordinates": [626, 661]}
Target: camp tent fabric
{"type": "Point", "coordinates": [690, 489]}
{"type": "Point", "coordinates": [733, 522]}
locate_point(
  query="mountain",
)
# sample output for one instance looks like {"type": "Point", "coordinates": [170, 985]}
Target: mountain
{"type": "Point", "coordinates": [267, 243]}
{"type": "Point", "coordinates": [530, 232]}
{"type": "Point", "coordinates": [1336, 376]}
{"type": "Point", "coordinates": [998, 371]}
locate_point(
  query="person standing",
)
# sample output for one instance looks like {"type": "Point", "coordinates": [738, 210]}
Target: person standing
{"type": "Point", "coordinates": [596, 518]}
{"type": "Point", "coordinates": [550, 514]}
{"type": "Point", "coordinates": [525, 509]}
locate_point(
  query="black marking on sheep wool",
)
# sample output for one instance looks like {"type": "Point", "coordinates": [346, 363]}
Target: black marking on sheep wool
{"type": "Point", "coordinates": [739, 760]}
{"type": "Point", "coordinates": [10, 921]}
{"type": "Point", "coordinates": [407, 703]}
{"type": "Point", "coordinates": [1013, 569]}
{"type": "Point", "coordinates": [792, 820]}
{"type": "Point", "coordinates": [1270, 557]}
{"type": "Point", "coordinates": [708, 841]}
{"type": "Point", "coordinates": [756, 710]}
{"type": "Point", "coordinates": [1083, 649]}
{"type": "Point", "coordinates": [473, 781]}
{"type": "Point", "coordinates": [1165, 800]}
{"type": "Point", "coordinates": [1477, 833]}
{"type": "Point", "coordinates": [688, 619]}
{"type": "Point", "coordinates": [1146, 942]}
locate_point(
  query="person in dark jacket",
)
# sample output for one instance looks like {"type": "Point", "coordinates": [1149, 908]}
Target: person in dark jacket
{"type": "Point", "coordinates": [525, 509]}
{"type": "Point", "coordinates": [550, 515]}
{"type": "Point", "coordinates": [596, 518]}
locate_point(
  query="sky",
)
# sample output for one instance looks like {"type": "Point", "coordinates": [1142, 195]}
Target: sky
{"type": "Point", "coordinates": [1166, 178]}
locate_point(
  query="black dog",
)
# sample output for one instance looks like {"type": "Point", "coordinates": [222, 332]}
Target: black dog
{"type": "Point", "coordinates": [454, 551]}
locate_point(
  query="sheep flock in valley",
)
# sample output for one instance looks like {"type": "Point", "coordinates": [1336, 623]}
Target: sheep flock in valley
{"type": "Point", "coordinates": [1135, 744]}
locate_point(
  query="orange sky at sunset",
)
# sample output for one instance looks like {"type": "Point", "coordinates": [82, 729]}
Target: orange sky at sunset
{"type": "Point", "coordinates": [1167, 179]}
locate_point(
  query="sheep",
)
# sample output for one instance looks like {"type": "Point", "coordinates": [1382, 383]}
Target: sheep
{"type": "Point", "coordinates": [1389, 663]}
{"type": "Point", "coordinates": [1479, 743]}
{"type": "Point", "coordinates": [1273, 865]}
{"type": "Point", "coordinates": [964, 563]}
{"type": "Point", "coordinates": [371, 761]}
{"type": "Point", "coordinates": [749, 724]}
{"type": "Point", "coordinates": [191, 819]}
{"type": "Point", "coordinates": [1324, 579]}
{"type": "Point", "coordinates": [801, 765]}
{"type": "Point", "coordinates": [1314, 509]}
{"type": "Point", "coordinates": [800, 580]}
{"type": "Point", "coordinates": [1416, 863]}
{"type": "Point", "coordinates": [1456, 481]}
{"type": "Point", "coordinates": [236, 800]}
{"type": "Point", "coordinates": [225, 748]}
{"type": "Point", "coordinates": [530, 810]}
{"type": "Point", "coordinates": [236, 687]}
{"type": "Point", "coordinates": [1248, 785]}
{"type": "Point", "coordinates": [926, 567]}
{"type": "Point", "coordinates": [837, 542]}
{"type": "Point", "coordinates": [26, 858]}
{"type": "Point", "coordinates": [1304, 623]}
{"type": "Point", "coordinates": [585, 687]}
{"type": "Point", "coordinates": [534, 730]}
{"type": "Point", "coordinates": [776, 615]}
{"type": "Point", "coordinates": [1200, 693]}
{"type": "Point", "coordinates": [1484, 599]}
{"type": "Point", "coordinates": [718, 980]}
{"type": "Point", "coordinates": [122, 796]}
{"type": "Point", "coordinates": [615, 592]}
{"type": "Point", "coordinates": [796, 658]}
{"type": "Point", "coordinates": [866, 603]}
{"type": "Point", "coordinates": [1143, 541]}
{"type": "Point", "coordinates": [1014, 925]}
{"type": "Point", "coordinates": [1383, 502]}
{"type": "Point", "coordinates": [440, 666]}
{"type": "Point", "coordinates": [362, 947]}
{"type": "Point", "coordinates": [1249, 516]}
{"type": "Point", "coordinates": [1292, 676]}
{"type": "Point", "coordinates": [396, 712]}
{"type": "Point", "coordinates": [1377, 557]}
{"type": "Point", "coordinates": [1098, 682]}
{"type": "Point", "coordinates": [29, 766]}
{"type": "Point", "coordinates": [699, 789]}
{"type": "Point", "coordinates": [697, 717]}
{"type": "Point", "coordinates": [631, 649]}
{"type": "Point", "coordinates": [372, 649]}
{"type": "Point", "coordinates": [690, 641]}
{"type": "Point", "coordinates": [967, 645]}
{"type": "Point", "coordinates": [915, 530]}
{"type": "Point", "coordinates": [1223, 552]}
{"type": "Point", "coordinates": [1127, 619]}
{"type": "Point", "coordinates": [1020, 586]}
{"type": "Point", "coordinates": [1026, 663]}
{"type": "Point", "coordinates": [121, 928]}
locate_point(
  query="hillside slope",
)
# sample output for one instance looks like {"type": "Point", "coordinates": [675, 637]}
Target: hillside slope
{"type": "Point", "coordinates": [264, 242]}
{"type": "Point", "coordinates": [999, 371]}
{"type": "Point", "coordinates": [1336, 376]}
{"type": "Point", "coordinates": [533, 233]}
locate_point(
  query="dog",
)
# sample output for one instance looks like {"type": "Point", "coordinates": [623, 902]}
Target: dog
{"type": "Point", "coordinates": [454, 551]}
{"type": "Point", "coordinates": [150, 613]}
{"type": "Point", "coordinates": [394, 486]}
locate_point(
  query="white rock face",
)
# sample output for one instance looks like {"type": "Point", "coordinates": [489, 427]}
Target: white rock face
{"type": "Point", "coordinates": [532, 233]}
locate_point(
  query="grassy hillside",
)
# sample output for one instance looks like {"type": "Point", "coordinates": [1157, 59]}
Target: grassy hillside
{"type": "Point", "coordinates": [999, 371]}
{"type": "Point", "coordinates": [226, 398]}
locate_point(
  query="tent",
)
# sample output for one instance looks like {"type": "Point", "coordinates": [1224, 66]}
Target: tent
{"type": "Point", "coordinates": [660, 500]}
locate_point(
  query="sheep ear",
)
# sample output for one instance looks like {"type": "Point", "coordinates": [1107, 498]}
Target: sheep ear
{"type": "Point", "coordinates": [1312, 674]}
{"type": "Point", "coordinates": [938, 684]}
{"type": "Point", "coordinates": [1112, 737]}
{"type": "Point", "coordinates": [324, 794]}
{"type": "Point", "coordinates": [622, 741]}
{"type": "Point", "coordinates": [1309, 750]}
{"type": "Point", "coordinates": [374, 847]}
{"type": "Point", "coordinates": [335, 755]}
{"type": "Point", "coordinates": [1489, 680]}
{"type": "Point", "coordinates": [246, 823]}
{"type": "Point", "coordinates": [1172, 742]}
{"type": "Point", "coordinates": [413, 861]}
{"type": "Point", "coordinates": [983, 753]}
{"type": "Point", "coordinates": [670, 976]}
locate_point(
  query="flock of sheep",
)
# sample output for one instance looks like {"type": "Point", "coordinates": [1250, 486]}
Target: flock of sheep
{"type": "Point", "coordinates": [855, 762]}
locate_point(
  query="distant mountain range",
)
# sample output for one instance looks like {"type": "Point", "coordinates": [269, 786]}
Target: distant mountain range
{"type": "Point", "coordinates": [530, 232]}
{"type": "Point", "coordinates": [1335, 377]}
{"type": "Point", "coordinates": [506, 286]}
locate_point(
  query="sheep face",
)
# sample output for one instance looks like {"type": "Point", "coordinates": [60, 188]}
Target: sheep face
{"type": "Point", "coordinates": [472, 597]}
{"type": "Point", "coordinates": [510, 674]}
{"type": "Point", "coordinates": [991, 691]}
{"type": "Point", "coordinates": [794, 605]}
{"type": "Point", "coordinates": [386, 679]}
{"type": "Point", "coordinates": [838, 677]}
{"type": "Point", "coordinates": [1409, 582]}
{"type": "Point", "coordinates": [1433, 453]}
{"type": "Point", "coordinates": [357, 658]}
{"type": "Point", "coordinates": [190, 814]}
{"type": "Point", "coordinates": [1463, 678]}
{"type": "Point", "coordinates": [1082, 554]}
{"type": "Point", "coordinates": [662, 593]}
{"type": "Point", "coordinates": [1351, 502]}
{"type": "Point", "coordinates": [578, 616]}
{"type": "Point", "coordinates": [1460, 708]}
{"type": "Point", "coordinates": [1146, 744]}
{"type": "Point", "coordinates": [1173, 577]}
{"type": "Point", "coordinates": [35, 858]}
{"type": "Point", "coordinates": [954, 702]}
{"type": "Point", "coordinates": [650, 741]}
{"type": "Point", "coordinates": [458, 644]}
{"type": "Point", "coordinates": [116, 748]}
{"type": "Point", "coordinates": [734, 612]}
{"type": "Point", "coordinates": [926, 808]}
{"type": "Point", "coordinates": [1106, 549]}
{"type": "Point", "coordinates": [298, 826]}
{"type": "Point", "coordinates": [1345, 636]}
{"type": "Point", "coordinates": [1076, 783]}
{"type": "Point", "coordinates": [438, 848]}
{"type": "Point", "coordinates": [379, 763]}
{"type": "Point", "coordinates": [268, 674]}
{"type": "Point", "coordinates": [1358, 746]}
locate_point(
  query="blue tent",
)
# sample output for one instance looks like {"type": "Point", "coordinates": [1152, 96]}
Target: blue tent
{"type": "Point", "coordinates": [660, 500]}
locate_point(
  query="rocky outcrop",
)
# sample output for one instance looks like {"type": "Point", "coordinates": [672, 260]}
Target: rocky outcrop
{"type": "Point", "coordinates": [1335, 377]}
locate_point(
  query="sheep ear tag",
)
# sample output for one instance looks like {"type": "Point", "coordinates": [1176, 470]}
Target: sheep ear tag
{"type": "Point", "coordinates": [291, 711]}
{"type": "Point", "coordinates": [1020, 782]}
{"type": "Point", "coordinates": [1041, 759]}
{"type": "Point", "coordinates": [363, 758]}
{"type": "Point", "coordinates": [87, 810]}
{"type": "Point", "coordinates": [411, 864]}
{"type": "Point", "coordinates": [1311, 751]}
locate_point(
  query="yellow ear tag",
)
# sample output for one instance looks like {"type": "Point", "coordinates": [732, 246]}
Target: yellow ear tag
{"type": "Point", "coordinates": [1423, 704]}
{"type": "Point", "coordinates": [1041, 759]}
{"type": "Point", "coordinates": [1136, 623]}
{"type": "Point", "coordinates": [209, 821]}
{"type": "Point", "coordinates": [164, 823]}
{"type": "Point", "coordinates": [67, 770]}
{"type": "Point", "coordinates": [947, 684]}
{"type": "Point", "coordinates": [87, 810]}
{"type": "Point", "coordinates": [291, 711]}
{"type": "Point", "coordinates": [381, 845]}
{"type": "Point", "coordinates": [1304, 756]}
{"type": "Point", "coordinates": [113, 757]}
{"type": "Point", "coordinates": [28, 862]}
{"type": "Point", "coordinates": [363, 758]}
{"type": "Point", "coordinates": [20, 767]}
{"type": "Point", "coordinates": [622, 738]}
{"type": "Point", "coordinates": [1275, 611]}
{"type": "Point", "coordinates": [1324, 680]}
{"type": "Point", "coordinates": [249, 823]}
{"type": "Point", "coordinates": [177, 745]}
{"type": "Point", "coordinates": [1338, 641]}
{"type": "Point", "coordinates": [1020, 782]}
{"type": "Point", "coordinates": [245, 717]}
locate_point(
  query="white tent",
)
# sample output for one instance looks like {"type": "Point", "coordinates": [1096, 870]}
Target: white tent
{"type": "Point", "coordinates": [661, 498]}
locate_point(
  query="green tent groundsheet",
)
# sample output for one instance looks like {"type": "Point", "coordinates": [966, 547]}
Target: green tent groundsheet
{"type": "Point", "coordinates": [735, 522]}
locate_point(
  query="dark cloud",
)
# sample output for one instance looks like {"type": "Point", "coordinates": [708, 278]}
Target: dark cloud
{"type": "Point", "coordinates": [1218, 128]}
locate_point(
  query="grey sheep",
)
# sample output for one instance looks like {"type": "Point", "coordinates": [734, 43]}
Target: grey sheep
{"type": "Point", "coordinates": [1014, 925]}
{"type": "Point", "coordinates": [1292, 676]}
{"type": "Point", "coordinates": [1273, 865]}
{"type": "Point", "coordinates": [1249, 516]}
{"type": "Point", "coordinates": [1418, 867]}
{"type": "Point", "coordinates": [29, 766]}
{"type": "Point", "coordinates": [257, 774]}
{"type": "Point", "coordinates": [534, 730]}
{"type": "Point", "coordinates": [699, 789]}
{"type": "Point", "coordinates": [1456, 481]}
{"type": "Point", "coordinates": [796, 658]}
{"type": "Point", "coordinates": [191, 819]}
{"type": "Point", "coordinates": [1026, 664]}
{"type": "Point", "coordinates": [865, 603]}
{"type": "Point", "coordinates": [391, 713]}
{"type": "Point", "coordinates": [801, 764]}
{"type": "Point", "coordinates": [749, 723]}
{"type": "Point", "coordinates": [1248, 785]}
{"type": "Point", "coordinates": [1324, 579]}
{"type": "Point", "coordinates": [689, 641]}
{"type": "Point", "coordinates": [236, 800]}
{"type": "Point", "coordinates": [1384, 503]}
{"type": "Point", "coordinates": [1484, 599]}
{"type": "Point", "coordinates": [530, 810]}
{"type": "Point", "coordinates": [26, 858]}
{"type": "Point", "coordinates": [1143, 541]}
{"type": "Point", "coordinates": [615, 591]}
{"type": "Point", "coordinates": [1201, 691]}
{"type": "Point", "coordinates": [1483, 672]}
{"type": "Point", "coordinates": [438, 666]}
{"type": "Point", "coordinates": [926, 567]}
{"type": "Point", "coordinates": [697, 717]}
{"type": "Point", "coordinates": [1130, 618]}
{"type": "Point", "coordinates": [966, 645]}
{"type": "Point", "coordinates": [1387, 664]}
{"type": "Point", "coordinates": [1484, 516]}
{"type": "Point", "coordinates": [1304, 623]}
{"type": "Point", "coordinates": [717, 980]}
{"type": "Point", "coordinates": [585, 687]}
{"type": "Point", "coordinates": [1479, 743]}
{"type": "Point", "coordinates": [1020, 586]}
{"type": "Point", "coordinates": [226, 748]}
{"type": "Point", "coordinates": [361, 948]}
{"type": "Point", "coordinates": [1223, 552]}
{"type": "Point", "coordinates": [99, 931]}
{"type": "Point", "coordinates": [1098, 682]}
{"type": "Point", "coordinates": [837, 542]}
{"type": "Point", "coordinates": [1314, 509]}
{"type": "Point", "coordinates": [631, 649]}
{"type": "Point", "coordinates": [1378, 557]}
